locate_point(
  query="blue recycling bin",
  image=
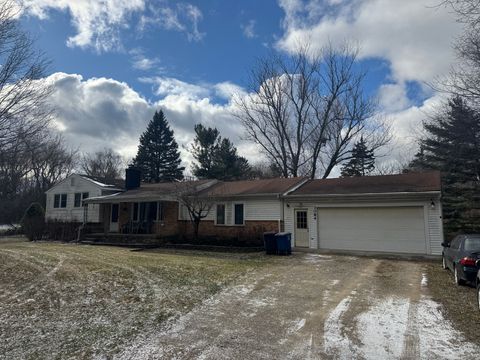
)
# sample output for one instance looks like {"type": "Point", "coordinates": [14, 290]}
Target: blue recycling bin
{"type": "Point", "coordinates": [270, 242]}
{"type": "Point", "coordinates": [284, 243]}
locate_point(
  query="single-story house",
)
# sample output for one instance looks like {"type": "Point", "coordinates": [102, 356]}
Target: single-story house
{"type": "Point", "coordinates": [393, 213]}
{"type": "Point", "coordinates": [65, 199]}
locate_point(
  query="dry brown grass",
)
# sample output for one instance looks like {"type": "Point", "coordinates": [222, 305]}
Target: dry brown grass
{"type": "Point", "coordinates": [459, 302]}
{"type": "Point", "coordinates": [75, 301]}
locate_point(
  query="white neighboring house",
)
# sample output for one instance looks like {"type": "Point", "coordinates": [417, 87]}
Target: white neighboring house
{"type": "Point", "coordinates": [65, 199]}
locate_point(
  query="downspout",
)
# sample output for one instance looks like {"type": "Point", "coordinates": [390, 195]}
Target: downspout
{"type": "Point", "coordinates": [281, 222]}
{"type": "Point", "coordinates": [82, 227]}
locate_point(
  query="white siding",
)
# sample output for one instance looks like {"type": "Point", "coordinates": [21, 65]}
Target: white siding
{"type": "Point", "coordinates": [435, 228]}
{"type": "Point", "coordinates": [71, 213]}
{"type": "Point", "coordinates": [254, 210]}
{"type": "Point", "coordinates": [263, 210]}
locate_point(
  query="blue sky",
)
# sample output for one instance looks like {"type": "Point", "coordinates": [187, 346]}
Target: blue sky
{"type": "Point", "coordinates": [115, 62]}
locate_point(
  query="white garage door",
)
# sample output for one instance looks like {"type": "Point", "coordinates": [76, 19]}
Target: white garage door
{"type": "Point", "coordinates": [383, 229]}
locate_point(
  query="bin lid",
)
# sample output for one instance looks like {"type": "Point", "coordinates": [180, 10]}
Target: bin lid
{"type": "Point", "coordinates": [283, 234]}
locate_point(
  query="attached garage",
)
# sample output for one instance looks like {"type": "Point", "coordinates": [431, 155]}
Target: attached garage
{"type": "Point", "coordinates": [383, 229]}
{"type": "Point", "coordinates": [389, 214]}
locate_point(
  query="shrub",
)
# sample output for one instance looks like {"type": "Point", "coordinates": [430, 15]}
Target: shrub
{"type": "Point", "coordinates": [33, 222]}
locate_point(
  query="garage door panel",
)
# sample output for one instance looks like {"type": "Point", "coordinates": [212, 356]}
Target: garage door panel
{"type": "Point", "coordinates": [387, 229]}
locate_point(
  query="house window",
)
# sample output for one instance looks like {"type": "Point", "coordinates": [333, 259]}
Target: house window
{"type": "Point", "coordinates": [152, 211]}
{"type": "Point", "coordinates": [56, 201]}
{"type": "Point", "coordinates": [135, 212]}
{"type": "Point", "coordinates": [63, 200]}
{"type": "Point", "coordinates": [60, 201]}
{"type": "Point", "coordinates": [220, 214]}
{"type": "Point", "coordinates": [147, 211]}
{"type": "Point", "coordinates": [239, 214]}
{"type": "Point", "coordinates": [301, 220]}
{"type": "Point", "coordinates": [78, 200]}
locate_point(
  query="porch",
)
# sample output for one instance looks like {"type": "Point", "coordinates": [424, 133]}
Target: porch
{"type": "Point", "coordinates": [151, 218]}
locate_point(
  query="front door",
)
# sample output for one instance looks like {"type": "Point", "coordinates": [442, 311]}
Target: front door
{"type": "Point", "coordinates": [301, 228]}
{"type": "Point", "coordinates": [114, 218]}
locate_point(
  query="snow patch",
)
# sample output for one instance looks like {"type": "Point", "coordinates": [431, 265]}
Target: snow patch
{"type": "Point", "coordinates": [333, 338]}
{"type": "Point", "coordinates": [382, 329]}
{"type": "Point", "coordinates": [243, 289]}
{"type": "Point", "coordinates": [335, 282]}
{"type": "Point", "coordinates": [424, 281]}
{"type": "Point", "coordinates": [438, 338]}
{"type": "Point", "coordinates": [314, 258]}
{"type": "Point", "coordinates": [296, 326]}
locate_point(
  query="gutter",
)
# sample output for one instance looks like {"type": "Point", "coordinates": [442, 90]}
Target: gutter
{"type": "Point", "coordinates": [364, 194]}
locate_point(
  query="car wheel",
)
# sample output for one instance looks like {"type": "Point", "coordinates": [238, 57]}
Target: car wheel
{"type": "Point", "coordinates": [478, 296]}
{"type": "Point", "coordinates": [458, 279]}
{"type": "Point", "coordinates": [444, 263]}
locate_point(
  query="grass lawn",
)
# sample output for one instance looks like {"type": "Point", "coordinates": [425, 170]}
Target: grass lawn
{"type": "Point", "coordinates": [76, 301]}
{"type": "Point", "coordinates": [459, 302]}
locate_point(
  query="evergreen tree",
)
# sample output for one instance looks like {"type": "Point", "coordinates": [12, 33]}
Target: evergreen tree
{"type": "Point", "coordinates": [227, 164]}
{"type": "Point", "coordinates": [217, 157]}
{"type": "Point", "coordinates": [452, 145]}
{"type": "Point", "coordinates": [204, 147]}
{"type": "Point", "coordinates": [362, 161]}
{"type": "Point", "coordinates": [158, 157]}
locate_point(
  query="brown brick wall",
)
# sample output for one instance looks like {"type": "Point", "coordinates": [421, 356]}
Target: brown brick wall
{"type": "Point", "coordinates": [169, 226]}
{"type": "Point", "coordinates": [251, 231]}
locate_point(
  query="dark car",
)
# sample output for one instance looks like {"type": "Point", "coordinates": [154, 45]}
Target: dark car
{"type": "Point", "coordinates": [478, 284]}
{"type": "Point", "coordinates": [460, 256]}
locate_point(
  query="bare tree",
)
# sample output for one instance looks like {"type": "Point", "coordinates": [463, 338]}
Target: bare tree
{"type": "Point", "coordinates": [51, 160]}
{"type": "Point", "coordinates": [188, 194]}
{"type": "Point", "coordinates": [305, 110]}
{"type": "Point", "coordinates": [464, 76]}
{"type": "Point", "coordinates": [28, 168]}
{"type": "Point", "coordinates": [24, 110]}
{"type": "Point", "coordinates": [106, 165]}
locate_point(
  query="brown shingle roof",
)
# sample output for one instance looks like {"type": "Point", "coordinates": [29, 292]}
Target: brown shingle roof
{"type": "Point", "coordinates": [253, 187]}
{"type": "Point", "coordinates": [410, 182]}
{"type": "Point", "coordinates": [150, 191]}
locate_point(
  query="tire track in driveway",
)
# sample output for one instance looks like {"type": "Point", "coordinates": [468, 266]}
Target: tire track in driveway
{"type": "Point", "coordinates": [275, 312]}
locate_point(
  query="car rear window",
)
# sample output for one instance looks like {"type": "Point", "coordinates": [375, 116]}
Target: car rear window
{"type": "Point", "coordinates": [472, 244]}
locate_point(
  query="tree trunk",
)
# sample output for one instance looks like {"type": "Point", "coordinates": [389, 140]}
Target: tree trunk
{"type": "Point", "coordinates": [196, 225]}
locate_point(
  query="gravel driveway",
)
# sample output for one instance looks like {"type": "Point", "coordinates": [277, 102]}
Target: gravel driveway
{"type": "Point", "coordinates": [312, 306]}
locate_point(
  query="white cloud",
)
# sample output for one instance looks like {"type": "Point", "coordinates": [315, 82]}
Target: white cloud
{"type": "Point", "coordinates": [393, 97]}
{"type": "Point", "coordinates": [414, 36]}
{"type": "Point", "coordinates": [249, 29]}
{"type": "Point", "coordinates": [98, 24]}
{"type": "Point", "coordinates": [142, 62]}
{"type": "Point", "coordinates": [98, 112]}
{"type": "Point", "coordinates": [183, 17]}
